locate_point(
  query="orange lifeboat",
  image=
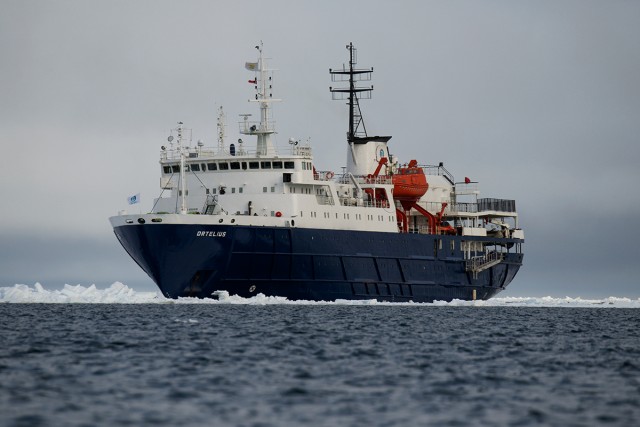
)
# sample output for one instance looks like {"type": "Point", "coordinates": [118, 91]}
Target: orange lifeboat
{"type": "Point", "coordinates": [409, 184]}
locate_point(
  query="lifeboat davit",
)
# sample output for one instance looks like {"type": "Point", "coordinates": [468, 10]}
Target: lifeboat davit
{"type": "Point", "coordinates": [409, 184]}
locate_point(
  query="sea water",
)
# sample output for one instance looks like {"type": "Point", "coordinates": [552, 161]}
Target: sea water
{"type": "Point", "coordinates": [84, 356]}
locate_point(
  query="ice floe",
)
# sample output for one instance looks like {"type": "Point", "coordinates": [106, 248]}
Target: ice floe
{"type": "Point", "coordinates": [118, 293]}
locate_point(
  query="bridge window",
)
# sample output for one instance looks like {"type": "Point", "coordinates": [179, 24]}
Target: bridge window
{"type": "Point", "coordinates": [289, 165]}
{"type": "Point", "coordinates": [234, 165]}
{"type": "Point", "coordinates": [265, 165]}
{"type": "Point", "coordinates": [223, 166]}
{"type": "Point", "coordinates": [254, 165]}
{"type": "Point", "coordinates": [166, 169]}
{"type": "Point", "coordinates": [212, 166]}
{"type": "Point", "coordinates": [277, 165]}
{"type": "Point", "coordinates": [195, 167]}
{"type": "Point", "coordinates": [175, 168]}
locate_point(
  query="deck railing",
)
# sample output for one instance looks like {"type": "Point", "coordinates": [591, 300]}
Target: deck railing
{"type": "Point", "coordinates": [480, 263]}
{"type": "Point", "coordinates": [366, 180]}
{"type": "Point", "coordinates": [324, 199]}
{"type": "Point", "coordinates": [483, 205]}
{"type": "Point", "coordinates": [499, 205]}
{"type": "Point", "coordinates": [241, 150]}
{"type": "Point", "coordinates": [438, 171]}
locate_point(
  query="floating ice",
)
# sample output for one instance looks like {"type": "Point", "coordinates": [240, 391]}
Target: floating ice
{"type": "Point", "coordinates": [119, 293]}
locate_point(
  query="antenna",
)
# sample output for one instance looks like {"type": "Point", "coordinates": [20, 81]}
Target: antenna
{"type": "Point", "coordinates": [357, 132]}
{"type": "Point", "coordinates": [264, 129]}
{"type": "Point", "coordinates": [221, 130]}
{"type": "Point", "coordinates": [183, 184]}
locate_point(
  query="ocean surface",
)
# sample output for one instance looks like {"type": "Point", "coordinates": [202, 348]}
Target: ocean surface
{"type": "Point", "coordinates": [83, 357]}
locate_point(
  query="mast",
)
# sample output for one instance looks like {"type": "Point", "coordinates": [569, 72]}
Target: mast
{"type": "Point", "coordinates": [221, 130]}
{"type": "Point", "coordinates": [263, 86]}
{"type": "Point", "coordinates": [183, 184]}
{"type": "Point", "coordinates": [357, 133]}
{"type": "Point", "coordinates": [364, 152]}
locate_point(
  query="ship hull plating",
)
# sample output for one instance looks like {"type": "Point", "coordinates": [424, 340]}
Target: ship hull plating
{"type": "Point", "coordinates": [313, 264]}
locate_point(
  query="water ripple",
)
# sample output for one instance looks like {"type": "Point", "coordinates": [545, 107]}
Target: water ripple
{"type": "Point", "coordinates": [325, 365]}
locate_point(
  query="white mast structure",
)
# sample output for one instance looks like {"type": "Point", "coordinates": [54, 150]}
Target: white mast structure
{"type": "Point", "coordinates": [221, 130]}
{"type": "Point", "coordinates": [265, 128]}
{"type": "Point", "coordinates": [183, 184]}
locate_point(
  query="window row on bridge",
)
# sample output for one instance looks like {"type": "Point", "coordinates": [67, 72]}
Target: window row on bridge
{"type": "Point", "coordinates": [224, 166]}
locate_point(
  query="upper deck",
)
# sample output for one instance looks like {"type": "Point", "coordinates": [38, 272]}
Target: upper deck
{"type": "Point", "coordinates": [232, 152]}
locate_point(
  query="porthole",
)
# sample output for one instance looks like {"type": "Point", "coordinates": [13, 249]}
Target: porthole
{"type": "Point", "coordinates": [220, 220]}
{"type": "Point", "coordinates": [141, 221]}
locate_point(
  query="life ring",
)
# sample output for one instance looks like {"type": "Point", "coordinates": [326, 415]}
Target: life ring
{"type": "Point", "coordinates": [278, 214]}
{"type": "Point", "coordinates": [329, 175]}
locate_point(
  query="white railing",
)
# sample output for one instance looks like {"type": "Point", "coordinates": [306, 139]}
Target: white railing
{"type": "Point", "coordinates": [241, 150]}
{"type": "Point", "coordinates": [254, 128]}
{"type": "Point", "coordinates": [301, 150]}
{"type": "Point", "coordinates": [366, 180]}
{"type": "Point", "coordinates": [480, 263]}
{"type": "Point", "coordinates": [422, 229]}
{"type": "Point", "coordinates": [324, 200]}
{"type": "Point", "coordinates": [451, 209]}
{"type": "Point", "coordinates": [323, 176]}
{"type": "Point", "coordinates": [353, 201]}
{"type": "Point", "coordinates": [464, 189]}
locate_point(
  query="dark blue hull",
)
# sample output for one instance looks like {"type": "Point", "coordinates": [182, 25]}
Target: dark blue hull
{"type": "Point", "coordinates": [312, 264]}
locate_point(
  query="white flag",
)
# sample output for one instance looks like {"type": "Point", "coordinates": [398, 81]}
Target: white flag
{"type": "Point", "coordinates": [251, 66]}
{"type": "Point", "coordinates": [134, 199]}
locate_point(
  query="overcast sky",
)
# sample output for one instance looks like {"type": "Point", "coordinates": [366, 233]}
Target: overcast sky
{"type": "Point", "coordinates": [539, 101]}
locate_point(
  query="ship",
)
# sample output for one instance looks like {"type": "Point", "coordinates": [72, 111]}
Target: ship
{"type": "Point", "coordinates": [261, 219]}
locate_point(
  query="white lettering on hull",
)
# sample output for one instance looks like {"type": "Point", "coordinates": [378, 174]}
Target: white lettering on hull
{"type": "Point", "coordinates": [203, 233]}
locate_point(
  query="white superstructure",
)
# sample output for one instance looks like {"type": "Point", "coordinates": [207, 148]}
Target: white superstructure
{"type": "Point", "coordinates": [259, 184]}
{"type": "Point", "coordinates": [261, 181]}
